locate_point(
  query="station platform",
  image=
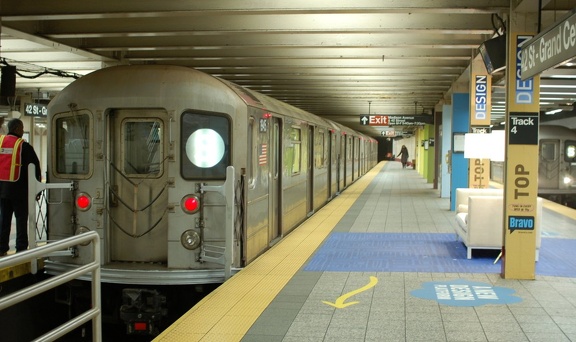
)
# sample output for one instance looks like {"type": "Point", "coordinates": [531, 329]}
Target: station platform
{"type": "Point", "coordinates": [10, 273]}
{"type": "Point", "coordinates": [381, 262]}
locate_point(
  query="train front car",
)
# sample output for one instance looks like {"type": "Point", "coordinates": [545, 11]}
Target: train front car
{"type": "Point", "coordinates": [142, 146]}
{"type": "Point", "coordinates": [557, 164]}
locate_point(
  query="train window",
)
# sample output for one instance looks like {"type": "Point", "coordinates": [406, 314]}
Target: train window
{"type": "Point", "coordinates": [548, 150]}
{"type": "Point", "coordinates": [205, 146]}
{"type": "Point", "coordinates": [143, 148]}
{"type": "Point", "coordinates": [72, 143]}
{"type": "Point", "coordinates": [294, 151]}
{"type": "Point", "coordinates": [570, 151]}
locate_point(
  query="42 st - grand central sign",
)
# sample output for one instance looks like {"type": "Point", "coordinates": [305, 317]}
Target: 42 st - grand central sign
{"type": "Point", "coordinates": [550, 48]}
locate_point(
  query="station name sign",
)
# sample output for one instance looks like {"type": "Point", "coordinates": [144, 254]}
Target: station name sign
{"type": "Point", "coordinates": [550, 48]}
{"type": "Point", "coordinates": [35, 109]}
{"type": "Point", "coordinates": [396, 120]}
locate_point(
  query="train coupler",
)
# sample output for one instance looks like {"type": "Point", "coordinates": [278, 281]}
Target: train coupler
{"type": "Point", "coordinates": [142, 311]}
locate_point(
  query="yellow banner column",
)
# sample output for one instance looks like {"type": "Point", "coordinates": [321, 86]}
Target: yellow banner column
{"type": "Point", "coordinates": [480, 103]}
{"type": "Point", "coordinates": [521, 167]}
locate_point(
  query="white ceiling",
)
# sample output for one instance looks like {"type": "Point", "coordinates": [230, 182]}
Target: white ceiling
{"type": "Point", "coordinates": [336, 59]}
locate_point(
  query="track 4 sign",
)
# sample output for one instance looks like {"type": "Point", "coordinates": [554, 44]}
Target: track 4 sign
{"type": "Point", "coordinates": [523, 128]}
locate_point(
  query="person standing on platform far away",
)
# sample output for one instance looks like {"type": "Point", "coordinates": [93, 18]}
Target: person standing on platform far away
{"type": "Point", "coordinates": [404, 158]}
{"type": "Point", "coordinates": [15, 156]}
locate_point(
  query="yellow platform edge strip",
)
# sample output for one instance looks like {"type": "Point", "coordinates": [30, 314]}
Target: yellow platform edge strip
{"type": "Point", "coordinates": [9, 273]}
{"type": "Point", "coordinates": [229, 311]}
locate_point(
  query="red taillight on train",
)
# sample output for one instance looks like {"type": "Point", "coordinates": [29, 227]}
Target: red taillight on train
{"type": "Point", "coordinates": [140, 326]}
{"type": "Point", "coordinates": [83, 201]}
{"type": "Point", "coordinates": [190, 204]}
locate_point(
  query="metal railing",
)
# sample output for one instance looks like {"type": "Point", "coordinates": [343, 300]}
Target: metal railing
{"type": "Point", "coordinates": [31, 255]}
{"type": "Point", "coordinates": [35, 188]}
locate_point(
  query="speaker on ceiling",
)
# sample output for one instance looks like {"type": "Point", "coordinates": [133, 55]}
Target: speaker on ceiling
{"type": "Point", "coordinates": [8, 81]}
{"type": "Point", "coordinates": [493, 52]}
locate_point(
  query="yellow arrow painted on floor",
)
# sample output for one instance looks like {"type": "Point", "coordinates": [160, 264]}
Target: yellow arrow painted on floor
{"type": "Point", "coordinates": [339, 304]}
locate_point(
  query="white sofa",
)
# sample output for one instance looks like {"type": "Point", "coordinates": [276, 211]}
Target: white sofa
{"type": "Point", "coordinates": [462, 195]}
{"type": "Point", "coordinates": [480, 220]}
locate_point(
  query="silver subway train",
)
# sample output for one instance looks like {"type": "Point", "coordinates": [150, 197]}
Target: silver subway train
{"type": "Point", "coordinates": [186, 178]}
{"type": "Point", "coordinates": [556, 164]}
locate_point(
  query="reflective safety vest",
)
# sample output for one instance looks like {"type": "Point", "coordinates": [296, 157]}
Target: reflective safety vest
{"type": "Point", "coordinates": [10, 157]}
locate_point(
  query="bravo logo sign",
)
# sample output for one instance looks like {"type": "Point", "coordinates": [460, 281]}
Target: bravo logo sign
{"type": "Point", "coordinates": [521, 222]}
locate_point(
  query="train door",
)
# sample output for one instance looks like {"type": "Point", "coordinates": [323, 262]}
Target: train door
{"type": "Point", "coordinates": [330, 161]}
{"type": "Point", "coordinates": [356, 158]}
{"type": "Point", "coordinates": [549, 164]}
{"type": "Point", "coordinates": [360, 158]}
{"type": "Point", "coordinates": [310, 172]}
{"type": "Point", "coordinates": [138, 180]}
{"type": "Point", "coordinates": [275, 182]}
{"type": "Point", "coordinates": [338, 159]}
{"type": "Point", "coordinates": [352, 159]}
{"type": "Point", "coordinates": [343, 159]}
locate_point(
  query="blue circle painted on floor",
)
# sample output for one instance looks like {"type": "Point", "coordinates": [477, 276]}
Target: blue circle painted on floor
{"type": "Point", "coordinates": [462, 292]}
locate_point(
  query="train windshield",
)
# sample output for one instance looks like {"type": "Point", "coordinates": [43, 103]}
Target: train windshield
{"type": "Point", "coordinates": [205, 146]}
{"type": "Point", "coordinates": [142, 147]}
{"type": "Point", "coordinates": [72, 144]}
{"type": "Point", "coordinates": [548, 150]}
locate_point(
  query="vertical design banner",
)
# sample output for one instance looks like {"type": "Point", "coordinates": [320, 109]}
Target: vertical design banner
{"type": "Point", "coordinates": [480, 104]}
{"type": "Point", "coordinates": [481, 100]}
{"type": "Point", "coordinates": [521, 167]}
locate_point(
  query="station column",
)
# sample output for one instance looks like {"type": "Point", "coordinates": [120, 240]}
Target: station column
{"type": "Point", "coordinates": [460, 126]}
{"type": "Point", "coordinates": [521, 166]}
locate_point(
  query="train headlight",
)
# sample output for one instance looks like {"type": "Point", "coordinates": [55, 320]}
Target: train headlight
{"type": "Point", "coordinates": [571, 151]}
{"type": "Point", "coordinates": [83, 201]}
{"type": "Point", "coordinates": [190, 204]}
{"type": "Point", "coordinates": [190, 239]}
{"type": "Point", "coordinates": [568, 180]}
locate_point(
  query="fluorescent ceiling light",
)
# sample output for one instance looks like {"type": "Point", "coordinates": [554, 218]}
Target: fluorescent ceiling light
{"type": "Point", "coordinates": [554, 111]}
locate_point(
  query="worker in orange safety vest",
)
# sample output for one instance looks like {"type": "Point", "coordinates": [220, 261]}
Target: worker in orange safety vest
{"type": "Point", "coordinates": [15, 156]}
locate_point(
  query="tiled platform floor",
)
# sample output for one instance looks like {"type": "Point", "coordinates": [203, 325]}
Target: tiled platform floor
{"type": "Point", "coordinates": [274, 299]}
{"type": "Point", "coordinates": [399, 200]}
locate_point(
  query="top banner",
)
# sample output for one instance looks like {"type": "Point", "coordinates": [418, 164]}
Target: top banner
{"type": "Point", "coordinates": [550, 48]}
